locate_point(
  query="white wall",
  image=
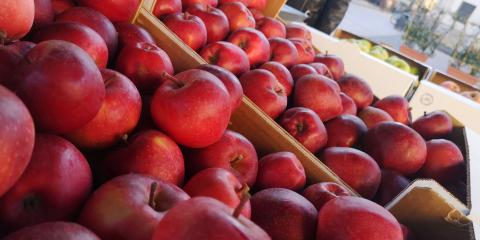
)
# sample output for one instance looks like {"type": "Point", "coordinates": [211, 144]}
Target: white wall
{"type": "Point", "coordinates": [452, 6]}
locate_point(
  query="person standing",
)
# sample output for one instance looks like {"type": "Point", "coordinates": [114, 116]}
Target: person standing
{"type": "Point", "coordinates": [324, 15]}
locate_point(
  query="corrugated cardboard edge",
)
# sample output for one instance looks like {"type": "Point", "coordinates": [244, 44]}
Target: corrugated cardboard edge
{"type": "Point", "coordinates": [432, 212]}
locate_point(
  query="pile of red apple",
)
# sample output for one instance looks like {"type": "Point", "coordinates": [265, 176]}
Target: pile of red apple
{"type": "Point", "coordinates": [100, 140]}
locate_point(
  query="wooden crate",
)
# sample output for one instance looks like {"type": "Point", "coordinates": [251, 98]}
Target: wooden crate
{"type": "Point", "coordinates": [248, 119]}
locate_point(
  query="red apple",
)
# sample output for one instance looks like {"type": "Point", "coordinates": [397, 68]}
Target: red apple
{"type": "Point", "coordinates": [165, 7]}
{"type": "Point", "coordinates": [433, 125]}
{"type": "Point", "coordinates": [334, 63]}
{"type": "Point", "coordinates": [44, 13]}
{"type": "Point", "coordinates": [257, 14]}
{"type": "Point", "coordinates": [238, 15]}
{"type": "Point", "coordinates": [53, 187]}
{"type": "Point", "coordinates": [132, 34]}
{"type": "Point", "coordinates": [117, 117]}
{"type": "Point", "coordinates": [9, 60]}
{"type": "Point", "coordinates": [206, 218]}
{"type": "Point", "coordinates": [281, 73]}
{"type": "Point", "coordinates": [322, 69]}
{"type": "Point", "coordinates": [226, 55]}
{"type": "Point", "coordinates": [320, 94]}
{"type": "Point", "coordinates": [355, 167]}
{"type": "Point", "coordinates": [220, 184]}
{"type": "Point", "coordinates": [244, 2]}
{"type": "Point", "coordinates": [271, 27]}
{"type": "Point", "coordinates": [253, 42]}
{"type": "Point", "coordinates": [345, 131]}
{"type": "Point", "coordinates": [53, 231]}
{"type": "Point", "coordinates": [391, 185]}
{"type": "Point", "coordinates": [257, 4]}
{"type": "Point", "coordinates": [17, 135]}
{"type": "Point", "coordinates": [280, 170]}
{"type": "Point", "coordinates": [45, 81]}
{"type": "Point", "coordinates": [203, 122]}
{"type": "Point", "coordinates": [356, 218]}
{"type": "Point", "coordinates": [305, 126]}
{"type": "Point", "coordinates": [144, 64]}
{"type": "Point", "coordinates": [357, 89]}
{"type": "Point", "coordinates": [284, 214]}
{"type": "Point", "coordinates": [115, 10]}
{"type": "Point", "coordinates": [232, 152]}
{"type": "Point", "coordinates": [189, 3]}
{"type": "Point", "coordinates": [263, 88]}
{"type": "Point", "coordinates": [214, 19]}
{"type": "Point", "coordinates": [300, 70]}
{"type": "Point", "coordinates": [230, 81]}
{"type": "Point", "coordinates": [397, 107]}
{"type": "Point", "coordinates": [283, 51]}
{"type": "Point", "coordinates": [320, 193]}
{"type": "Point", "coordinates": [451, 85]}
{"type": "Point", "coordinates": [129, 207]}
{"type": "Point", "coordinates": [61, 5]}
{"type": "Point", "coordinates": [21, 48]}
{"type": "Point", "coordinates": [78, 34]}
{"type": "Point", "coordinates": [305, 50]}
{"type": "Point", "coordinates": [372, 116]}
{"type": "Point", "coordinates": [298, 30]}
{"type": "Point", "coordinates": [96, 21]}
{"type": "Point", "coordinates": [348, 104]}
{"type": "Point", "coordinates": [151, 153]}
{"type": "Point", "coordinates": [189, 28]}
{"type": "Point", "coordinates": [444, 162]}
{"type": "Point", "coordinates": [396, 147]}
{"type": "Point", "coordinates": [17, 18]}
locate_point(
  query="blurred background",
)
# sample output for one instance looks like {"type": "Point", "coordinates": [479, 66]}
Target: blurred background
{"type": "Point", "coordinates": [442, 33]}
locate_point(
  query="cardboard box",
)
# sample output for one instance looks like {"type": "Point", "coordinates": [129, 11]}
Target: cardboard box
{"type": "Point", "coordinates": [424, 70]}
{"type": "Point", "coordinates": [431, 97]}
{"type": "Point", "coordinates": [383, 78]}
{"type": "Point", "coordinates": [439, 77]}
{"type": "Point", "coordinates": [248, 119]}
{"type": "Point", "coordinates": [432, 212]}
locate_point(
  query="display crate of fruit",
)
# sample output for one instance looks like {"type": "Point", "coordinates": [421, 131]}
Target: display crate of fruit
{"type": "Point", "coordinates": [248, 119]}
{"type": "Point", "coordinates": [122, 131]}
{"type": "Point", "coordinates": [385, 52]}
{"type": "Point", "coordinates": [385, 79]}
{"type": "Point", "coordinates": [447, 93]}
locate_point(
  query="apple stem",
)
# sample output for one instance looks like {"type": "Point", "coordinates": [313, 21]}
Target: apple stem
{"type": "Point", "coordinates": [245, 196]}
{"type": "Point", "coordinates": [125, 138]}
{"type": "Point", "coordinates": [424, 113]}
{"type": "Point", "coordinates": [151, 198]}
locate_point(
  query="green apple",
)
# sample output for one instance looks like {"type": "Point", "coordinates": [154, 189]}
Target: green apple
{"type": "Point", "coordinates": [399, 63]}
{"type": "Point", "coordinates": [379, 52]}
{"type": "Point", "coordinates": [364, 45]}
{"type": "Point", "coordinates": [414, 70]}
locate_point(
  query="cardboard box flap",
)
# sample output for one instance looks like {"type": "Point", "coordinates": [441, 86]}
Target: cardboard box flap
{"type": "Point", "coordinates": [473, 142]}
{"type": "Point", "coordinates": [431, 212]}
